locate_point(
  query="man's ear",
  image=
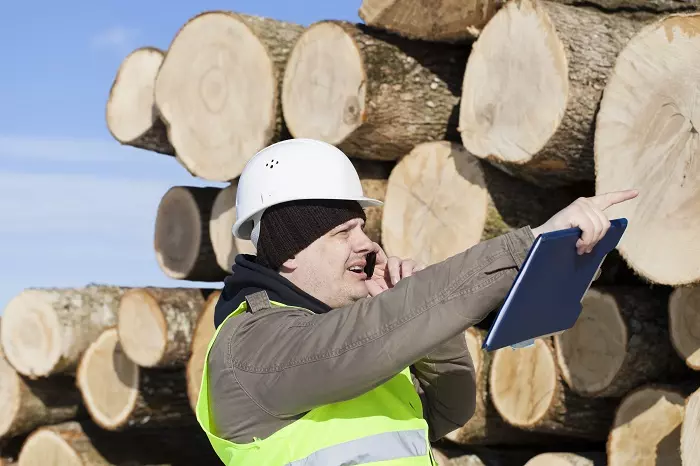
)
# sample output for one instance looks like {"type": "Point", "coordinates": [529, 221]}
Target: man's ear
{"type": "Point", "coordinates": [290, 265]}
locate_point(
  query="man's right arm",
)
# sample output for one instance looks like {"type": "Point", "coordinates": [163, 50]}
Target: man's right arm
{"type": "Point", "coordinates": [289, 361]}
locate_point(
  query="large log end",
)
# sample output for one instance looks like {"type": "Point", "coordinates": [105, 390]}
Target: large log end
{"type": "Point", "coordinates": [684, 324]}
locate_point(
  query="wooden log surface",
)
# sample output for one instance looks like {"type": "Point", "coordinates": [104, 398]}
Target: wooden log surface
{"type": "Point", "coordinates": [684, 324]}
{"type": "Point", "coordinates": [645, 139]}
{"type": "Point", "coordinates": [181, 240]}
{"type": "Point", "coordinates": [567, 459]}
{"type": "Point", "coordinates": [373, 94]}
{"type": "Point", "coordinates": [539, 126]}
{"type": "Point", "coordinates": [443, 20]}
{"type": "Point", "coordinates": [374, 177]}
{"type": "Point", "coordinates": [46, 330]}
{"type": "Point", "coordinates": [201, 337]}
{"type": "Point", "coordinates": [223, 215]}
{"type": "Point", "coordinates": [690, 430]}
{"type": "Point", "coordinates": [132, 117]}
{"type": "Point", "coordinates": [218, 90]}
{"type": "Point", "coordinates": [155, 325]}
{"type": "Point", "coordinates": [639, 6]}
{"type": "Point", "coordinates": [120, 395]}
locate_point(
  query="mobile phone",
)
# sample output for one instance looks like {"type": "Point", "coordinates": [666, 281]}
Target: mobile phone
{"type": "Point", "coordinates": [371, 261]}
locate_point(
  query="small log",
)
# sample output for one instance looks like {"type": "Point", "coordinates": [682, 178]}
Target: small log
{"type": "Point", "coordinates": [182, 241]}
{"type": "Point", "coordinates": [441, 200]}
{"type": "Point", "coordinates": [647, 427]}
{"type": "Point", "coordinates": [155, 325]}
{"type": "Point", "coordinates": [203, 333]}
{"type": "Point", "coordinates": [371, 93]}
{"type": "Point", "coordinates": [606, 353]}
{"type": "Point", "coordinates": [684, 324]}
{"type": "Point", "coordinates": [218, 90]}
{"type": "Point", "coordinates": [444, 20]}
{"type": "Point", "coordinates": [645, 138]}
{"type": "Point", "coordinates": [567, 459]}
{"type": "Point", "coordinates": [690, 430]}
{"type": "Point", "coordinates": [528, 392]}
{"type": "Point", "coordinates": [132, 117]}
{"type": "Point", "coordinates": [223, 215]}
{"type": "Point", "coordinates": [540, 126]}
{"type": "Point", "coordinates": [46, 330]}
{"type": "Point", "coordinates": [119, 395]}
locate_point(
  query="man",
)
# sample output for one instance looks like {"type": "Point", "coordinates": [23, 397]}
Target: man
{"type": "Point", "coordinates": [315, 363]}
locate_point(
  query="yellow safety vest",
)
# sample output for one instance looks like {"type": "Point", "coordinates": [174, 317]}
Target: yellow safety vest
{"type": "Point", "coordinates": [384, 425]}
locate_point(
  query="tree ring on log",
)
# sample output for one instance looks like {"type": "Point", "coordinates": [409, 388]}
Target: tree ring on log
{"type": "Point", "coordinates": [338, 89]}
{"type": "Point", "coordinates": [690, 431]}
{"type": "Point", "coordinates": [684, 324]}
{"type": "Point", "coordinates": [223, 216]}
{"type": "Point", "coordinates": [141, 325]}
{"type": "Point", "coordinates": [647, 138]}
{"type": "Point", "coordinates": [47, 447]}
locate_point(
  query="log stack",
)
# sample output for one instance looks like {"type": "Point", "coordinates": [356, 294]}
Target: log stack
{"type": "Point", "coordinates": [468, 119]}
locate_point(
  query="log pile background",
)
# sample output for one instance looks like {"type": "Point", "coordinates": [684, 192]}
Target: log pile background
{"type": "Point", "coordinates": [469, 119]}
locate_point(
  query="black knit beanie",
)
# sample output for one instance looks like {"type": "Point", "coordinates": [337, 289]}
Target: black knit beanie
{"type": "Point", "coordinates": [287, 228]}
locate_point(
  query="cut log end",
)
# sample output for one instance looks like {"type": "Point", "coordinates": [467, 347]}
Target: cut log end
{"type": "Point", "coordinates": [323, 92]}
{"type": "Point", "coordinates": [646, 429]}
{"type": "Point", "coordinates": [203, 333]}
{"type": "Point", "coordinates": [48, 447]}
{"type": "Point", "coordinates": [223, 216]}
{"type": "Point", "coordinates": [559, 459]}
{"type": "Point", "coordinates": [108, 381]}
{"type": "Point", "coordinates": [10, 396]}
{"type": "Point", "coordinates": [142, 329]}
{"type": "Point", "coordinates": [684, 324]}
{"type": "Point", "coordinates": [690, 431]}
{"type": "Point", "coordinates": [646, 139]}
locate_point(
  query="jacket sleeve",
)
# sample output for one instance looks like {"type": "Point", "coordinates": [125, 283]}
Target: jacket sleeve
{"type": "Point", "coordinates": [289, 361]}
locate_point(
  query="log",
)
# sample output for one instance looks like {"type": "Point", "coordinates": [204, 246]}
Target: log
{"type": "Point", "coordinates": [155, 325]}
{"type": "Point", "coordinates": [690, 430]}
{"type": "Point", "coordinates": [528, 392]}
{"type": "Point", "coordinates": [374, 176]}
{"type": "Point", "coordinates": [132, 117]}
{"type": "Point", "coordinates": [371, 93]}
{"type": "Point", "coordinates": [203, 333]}
{"type": "Point", "coordinates": [606, 353]}
{"type": "Point", "coordinates": [539, 126]}
{"type": "Point", "coordinates": [638, 6]}
{"type": "Point", "coordinates": [46, 330]}
{"type": "Point", "coordinates": [441, 200]}
{"type": "Point", "coordinates": [182, 241]}
{"type": "Point", "coordinates": [120, 395]}
{"type": "Point", "coordinates": [218, 90]}
{"type": "Point", "coordinates": [646, 429]}
{"type": "Point", "coordinates": [441, 21]}
{"type": "Point", "coordinates": [567, 459]}
{"type": "Point", "coordinates": [223, 215]}
{"type": "Point", "coordinates": [645, 137]}
{"type": "Point", "coordinates": [684, 324]}
{"type": "Point", "coordinates": [470, 455]}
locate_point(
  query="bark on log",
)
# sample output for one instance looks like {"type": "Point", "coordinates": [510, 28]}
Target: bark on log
{"type": "Point", "coordinates": [567, 459]}
{"type": "Point", "coordinates": [46, 330]}
{"type": "Point", "coordinates": [373, 94]}
{"type": "Point", "coordinates": [684, 324]}
{"type": "Point", "coordinates": [638, 6]}
{"type": "Point", "coordinates": [155, 325]}
{"type": "Point", "coordinates": [540, 126]}
{"type": "Point", "coordinates": [646, 139]}
{"type": "Point", "coordinates": [218, 90]}
{"type": "Point", "coordinates": [374, 176]}
{"type": "Point", "coordinates": [223, 215]}
{"type": "Point", "coordinates": [120, 395]}
{"type": "Point", "coordinates": [690, 430]}
{"type": "Point", "coordinates": [646, 429]}
{"type": "Point", "coordinates": [528, 392]}
{"type": "Point", "coordinates": [441, 200]}
{"type": "Point", "coordinates": [607, 352]}
{"type": "Point", "coordinates": [182, 241]}
{"type": "Point", "coordinates": [441, 21]}
{"type": "Point", "coordinates": [132, 117]}
{"type": "Point", "coordinates": [203, 333]}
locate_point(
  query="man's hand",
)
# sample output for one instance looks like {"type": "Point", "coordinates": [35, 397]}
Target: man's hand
{"type": "Point", "coordinates": [587, 214]}
{"type": "Point", "coordinates": [388, 271]}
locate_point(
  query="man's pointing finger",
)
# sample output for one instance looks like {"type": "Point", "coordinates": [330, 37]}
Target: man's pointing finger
{"type": "Point", "coordinates": [603, 201]}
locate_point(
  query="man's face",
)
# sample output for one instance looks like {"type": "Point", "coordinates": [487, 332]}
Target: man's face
{"type": "Point", "coordinates": [331, 268]}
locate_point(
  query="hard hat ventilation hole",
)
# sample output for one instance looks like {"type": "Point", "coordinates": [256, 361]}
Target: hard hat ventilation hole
{"type": "Point", "coordinates": [272, 163]}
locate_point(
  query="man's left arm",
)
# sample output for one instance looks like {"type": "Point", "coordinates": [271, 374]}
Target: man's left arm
{"type": "Point", "coordinates": [446, 383]}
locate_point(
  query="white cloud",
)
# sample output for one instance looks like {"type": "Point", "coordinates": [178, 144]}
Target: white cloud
{"type": "Point", "coordinates": [117, 38]}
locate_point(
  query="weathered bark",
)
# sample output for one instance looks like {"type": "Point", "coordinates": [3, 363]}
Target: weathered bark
{"type": "Point", "coordinates": [567, 459]}
{"type": "Point", "coordinates": [684, 324]}
{"type": "Point", "coordinates": [223, 215]}
{"type": "Point", "coordinates": [203, 333]}
{"type": "Point", "coordinates": [120, 395]}
{"type": "Point", "coordinates": [444, 20]}
{"type": "Point", "coordinates": [637, 6]}
{"type": "Point", "coordinates": [46, 330]}
{"type": "Point", "coordinates": [218, 90]}
{"type": "Point", "coordinates": [132, 117]}
{"type": "Point", "coordinates": [528, 392]}
{"type": "Point", "coordinates": [374, 176]}
{"type": "Point", "coordinates": [373, 94]}
{"type": "Point", "coordinates": [607, 352]}
{"type": "Point", "coordinates": [440, 200]}
{"type": "Point", "coordinates": [646, 139]}
{"type": "Point", "coordinates": [156, 325]}
{"type": "Point", "coordinates": [182, 240]}
{"type": "Point", "coordinates": [540, 125]}
{"type": "Point", "coordinates": [690, 430]}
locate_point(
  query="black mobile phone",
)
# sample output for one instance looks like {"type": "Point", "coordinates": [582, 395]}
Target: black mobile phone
{"type": "Point", "coordinates": [371, 261]}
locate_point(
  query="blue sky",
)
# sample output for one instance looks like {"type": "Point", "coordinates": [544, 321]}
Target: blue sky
{"type": "Point", "coordinates": [75, 206]}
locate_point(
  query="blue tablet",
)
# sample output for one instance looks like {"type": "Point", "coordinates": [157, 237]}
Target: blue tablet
{"type": "Point", "coordinates": [545, 298]}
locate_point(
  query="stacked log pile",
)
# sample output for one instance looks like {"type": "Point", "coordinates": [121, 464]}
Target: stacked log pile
{"type": "Point", "coordinates": [468, 119]}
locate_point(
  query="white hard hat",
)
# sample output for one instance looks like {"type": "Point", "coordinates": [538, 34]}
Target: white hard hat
{"type": "Point", "coordinates": [290, 170]}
